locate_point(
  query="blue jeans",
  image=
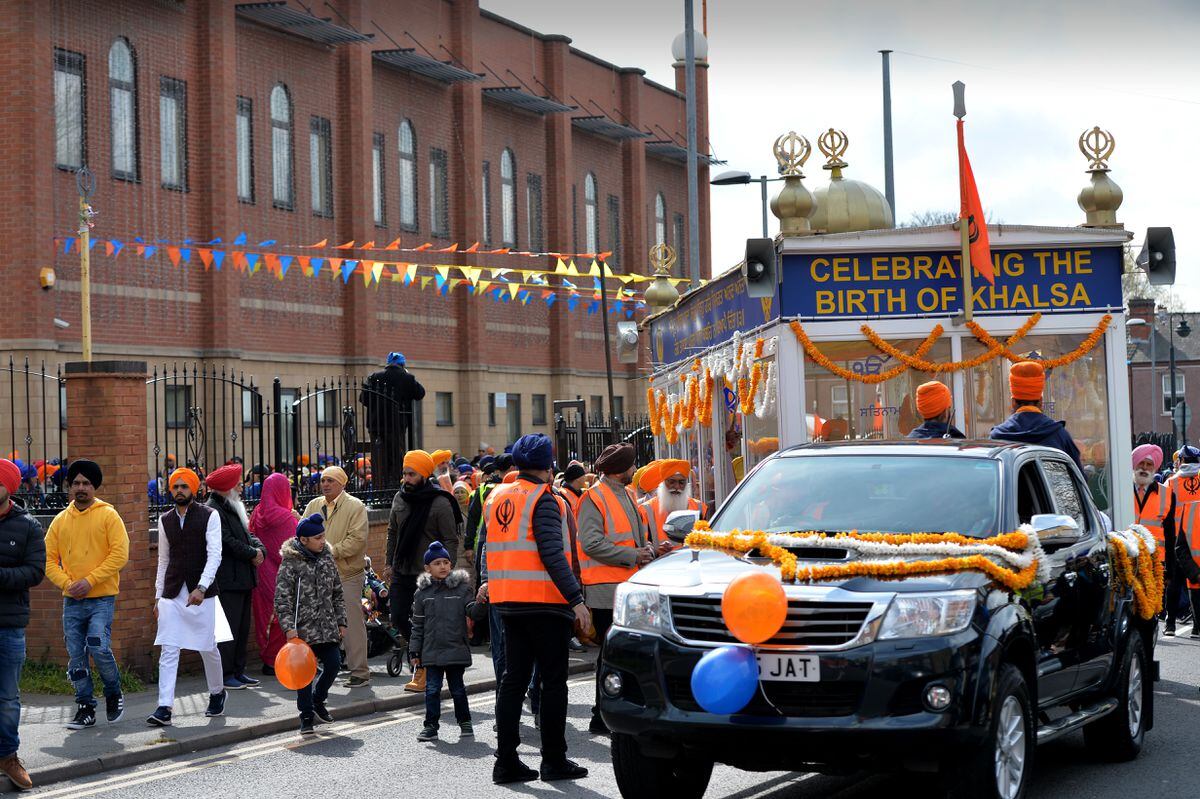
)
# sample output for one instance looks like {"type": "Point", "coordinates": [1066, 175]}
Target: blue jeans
{"type": "Point", "coordinates": [496, 633]}
{"type": "Point", "coordinates": [433, 694]}
{"type": "Point", "coordinates": [12, 657]}
{"type": "Point", "coordinates": [87, 628]}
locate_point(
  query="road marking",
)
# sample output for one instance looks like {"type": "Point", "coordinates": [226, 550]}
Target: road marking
{"type": "Point", "coordinates": [326, 733]}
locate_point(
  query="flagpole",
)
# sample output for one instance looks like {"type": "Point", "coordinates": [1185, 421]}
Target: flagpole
{"type": "Point", "coordinates": [960, 111]}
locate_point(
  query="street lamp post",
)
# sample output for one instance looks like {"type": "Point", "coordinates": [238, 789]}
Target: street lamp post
{"type": "Point", "coordinates": [1184, 331]}
{"type": "Point", "coordinates": [735, 178]}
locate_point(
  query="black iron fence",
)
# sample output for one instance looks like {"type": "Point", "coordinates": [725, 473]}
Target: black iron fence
{"type": "Point", "coordinates": [598, 432]}
{"type": "Point", "coordinates": [35, 433]}
{"type": "Point", "coordinates": [205, 416]}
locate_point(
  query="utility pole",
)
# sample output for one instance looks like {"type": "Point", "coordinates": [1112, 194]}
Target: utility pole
{"type": "Point", "coordinates": [85, 181]}
{"type": "Point", "coordinates": [889, 181]}
{"type": "Point", "coordinates": [693, 188]}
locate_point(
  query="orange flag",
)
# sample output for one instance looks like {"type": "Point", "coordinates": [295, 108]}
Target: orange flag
{"type": "Point", "coordinates": [972, 212]}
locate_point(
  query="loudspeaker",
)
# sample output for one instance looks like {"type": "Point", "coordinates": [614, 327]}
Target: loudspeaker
{"type": "Point", "coordinates": [760, 268]}
{"type": "Point", "coordinates": [1157, 257]}
{"type": "Point", "coordinates": [627, 342]}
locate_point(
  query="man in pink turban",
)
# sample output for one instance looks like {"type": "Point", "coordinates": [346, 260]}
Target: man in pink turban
{"type": "Point", "coordinates": [1154, 509]}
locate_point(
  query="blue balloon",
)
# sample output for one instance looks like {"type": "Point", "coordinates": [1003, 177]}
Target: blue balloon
{"type": "Point", "coordinates": [725, 679]}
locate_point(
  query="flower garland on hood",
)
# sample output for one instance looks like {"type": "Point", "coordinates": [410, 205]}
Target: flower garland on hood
{"type": "Point", "coordinates": [1015, 560]}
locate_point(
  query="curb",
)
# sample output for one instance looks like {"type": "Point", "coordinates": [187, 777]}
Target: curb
{"type": "Point", "coordinates": [142, 756]}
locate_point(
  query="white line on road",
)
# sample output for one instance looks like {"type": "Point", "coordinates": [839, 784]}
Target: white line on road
{"type": "Point", "coordinates": [255, 750]}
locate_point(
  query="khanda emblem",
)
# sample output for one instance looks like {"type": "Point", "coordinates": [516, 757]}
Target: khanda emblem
{"type": "Point", "coordinates": [658, 344]}
{"type": "Point", "coordinates": [972, 229]}
{"type": "Point", "coordinates": [505, 514]}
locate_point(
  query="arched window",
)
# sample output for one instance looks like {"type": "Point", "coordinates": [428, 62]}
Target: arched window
{"type": "Point", "coordinates": [589, 213]}
{"type": "Point", "coordinates": [660, 219]}
{"type": "Point", "coordinates": [508, 198]}
{"type": "Point", "coordinates": [408, 175]}
{"type": "Point", "coordinates": [122, 93]}
{"type": "Point", "coordinates": [282, 184]}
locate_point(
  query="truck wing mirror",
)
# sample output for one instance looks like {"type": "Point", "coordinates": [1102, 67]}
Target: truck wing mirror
{"type": "Point", "coordinates": [679, 523]}
{"type": "Point", "coordinates": [1054, 529]}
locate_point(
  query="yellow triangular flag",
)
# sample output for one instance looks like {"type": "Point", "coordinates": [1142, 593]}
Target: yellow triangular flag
{"type": "Point", "coordinates": [572, 270]}
{"type": "Point", "coordinates": [443, 270]}
{"type": "Point", "coordinates": [561, 268]}
{"type": "Point", "coordinates": [595, 270]}
{"type": "Point", "coordinates": [377, 271]}
{"type": "Point", "coordinates": [626, 279]}
{"type": "Point", "coordinates": [481, 287]}
{"type": "Point", "coordinates": [514, 289]}
{"type": "Point", "coordinates": [525, 273]}
{"type": "Point", "coordinates": [471, 273]}
{"type": "Point", "coordinates": [410, 271]}
{"type": "Point", "coordinates": [425, 281]}
{"type": "Point", "coordinates": [499, 272]}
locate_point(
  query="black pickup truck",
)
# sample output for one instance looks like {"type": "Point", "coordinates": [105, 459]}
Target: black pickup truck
{"type": "Point", "coordinates": [950, 674]}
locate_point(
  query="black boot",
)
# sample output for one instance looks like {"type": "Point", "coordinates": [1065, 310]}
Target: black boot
{"type": "Point", "coordinates": [562, 770]}
{"type": "Point", "coordinates": [512, 771]}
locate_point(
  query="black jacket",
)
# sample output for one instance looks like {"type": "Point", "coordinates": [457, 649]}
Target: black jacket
{"type": "Point", "coordinates": [388, 395]}
{"type": "Point", "coordinates": [1029, 427]}
{"type": "Point", "coordinates": [439, 620]}
{"type": "Point", "coordinates": [934, 429]}
{"type": "Point", "coordinates": [22, 564]}
{"type": "Point", "coordinates": [238, 549]}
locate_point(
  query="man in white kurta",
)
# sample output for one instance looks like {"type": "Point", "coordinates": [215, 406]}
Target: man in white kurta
{"type": "Point", "coordinates": [187, 607]}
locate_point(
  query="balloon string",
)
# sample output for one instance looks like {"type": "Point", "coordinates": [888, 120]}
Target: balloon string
{"type": "Point", "coordinates": [762, 689]}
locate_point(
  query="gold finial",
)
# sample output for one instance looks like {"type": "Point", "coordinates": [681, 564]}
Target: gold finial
{"type": "Point", "coordinates": [1102, 197]}
{"type": "Point", "coordinates": [791, 151]}
{"type": "Point", "coordinates": [833, 144]}
{"type": "Point", "coordinates": [1097, 145]}
{"type": "Point", "coordinates": [662, 257]}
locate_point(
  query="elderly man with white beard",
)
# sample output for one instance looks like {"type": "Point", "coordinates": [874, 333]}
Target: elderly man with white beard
{"type": "Point", "coordinates": [241, 554]}
{"type": "Point", "coordinates": [673, 493]}
{"type": "Point", "coordinates": [1154, 508]}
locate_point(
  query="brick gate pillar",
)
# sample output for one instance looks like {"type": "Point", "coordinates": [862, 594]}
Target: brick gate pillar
{"type": "Point", "coordinates": [106, 422]}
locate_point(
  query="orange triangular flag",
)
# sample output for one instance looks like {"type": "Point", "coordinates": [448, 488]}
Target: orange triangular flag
{"type": "Point", "coordinates": [335, 266]}
{"type": "Point", "coordinates": [319, 244]}
{"type": "Point", "coordinates": [451, 248]}
{"type": "Point", "coordinates": [424, 247]}
{"type": "Point", "coordinates": [395, 245]}
{"type": "Point", "coordinates": [347, 246]}
{"type": "Point", "coordinates": [473, 248]}
{"type": "Point", "coordinates": [370, 245]}
{"type": "Point", "coordinates": [173, 254]}
{"type": "Point", "coordinates": [205, 257]}
{"type": "Point", "coordinates": [108, 248]}
{"type": "Point", "coordinates": [972, 213]}
{"type": "Point", "coordinates": [305, 266]}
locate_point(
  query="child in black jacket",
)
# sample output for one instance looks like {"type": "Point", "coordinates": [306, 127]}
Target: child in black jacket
{"type": "Point", "coordinates": [439, 644]}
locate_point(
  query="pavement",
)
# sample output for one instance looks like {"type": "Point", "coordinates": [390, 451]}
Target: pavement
{"type": "Point", "coordinates": [371, 752]}
{"type": "Point", "coordinates": [52, 753]}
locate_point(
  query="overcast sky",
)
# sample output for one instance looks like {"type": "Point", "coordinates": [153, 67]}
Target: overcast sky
{"type": "Point", "coordinates": [1037, 73]}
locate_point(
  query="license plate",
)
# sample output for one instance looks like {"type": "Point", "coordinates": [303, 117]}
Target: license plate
{"type": "Point", "coordinates": [789, 668]}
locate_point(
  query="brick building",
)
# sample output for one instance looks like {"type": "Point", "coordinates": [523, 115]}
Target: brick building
{"type": "Point", "coordinates": [1150, 373]}
{"type": "Point", "coordinates": [426, 121]}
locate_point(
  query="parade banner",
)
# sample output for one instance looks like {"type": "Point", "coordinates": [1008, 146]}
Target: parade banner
{"type": "Point", "coordinates": [911, 284]}
{"type": "Point", "coordinates": [708, 316]}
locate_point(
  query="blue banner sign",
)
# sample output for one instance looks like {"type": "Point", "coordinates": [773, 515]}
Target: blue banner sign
{"type": "Point", "coordinates": [707, 317]}
{"type": "Point", "coordinates": [874, 284]}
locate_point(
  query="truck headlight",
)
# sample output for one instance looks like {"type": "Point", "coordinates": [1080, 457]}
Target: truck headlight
{"type": "Point", "coordinates": [639, 607]}
{"type": "Point", "coordinates": [923, 615]}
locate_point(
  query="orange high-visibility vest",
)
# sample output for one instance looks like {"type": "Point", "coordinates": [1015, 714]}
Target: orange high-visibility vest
{"type": "Point", "coordinates": [659, 517]}
{"type": "Point", "coordinates": [1186, 490]}
{"type": "Point", "coordinates": [515, 569]}
{"type": "Point", "coordinates": [1153, 515]}
{"type": "Point", "coordinates": [616, 528]}
{"type": "Point", "coordinates": [573, 500]}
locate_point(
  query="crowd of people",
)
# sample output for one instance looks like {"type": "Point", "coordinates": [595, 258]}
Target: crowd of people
{"type": "Point", "coordinates": [466, 541]}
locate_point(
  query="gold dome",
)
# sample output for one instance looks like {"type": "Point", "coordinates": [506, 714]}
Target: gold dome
{"type": "Point", "coordinates": [847, 205]}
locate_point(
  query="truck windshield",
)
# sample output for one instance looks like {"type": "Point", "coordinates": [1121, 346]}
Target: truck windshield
{"type": "Point", "coordinates": [892, 494]}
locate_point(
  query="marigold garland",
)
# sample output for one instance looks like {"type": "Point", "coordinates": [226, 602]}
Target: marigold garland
{"type": "Point", "coordinates": [759, 344]}
{"type": "Point", "coordinates": [652, 404]}
{"type": "Point", "coordinates": [922, 365]}
{"type": "Point", "coordinates": [748, 390]}
{"type": "Point", "coordinates": [1084, 348]}
{"type": "Point", "coordinates": [706, 399]}
{"type": "Point", "coordinates": [823, 361]}
{"type": "Point", "coordinates": [702, 537]}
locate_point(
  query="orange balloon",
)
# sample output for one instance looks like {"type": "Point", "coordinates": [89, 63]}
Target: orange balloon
{"type": "Point", "coordinates": [754, 607]}
{"type": "Point", "coordinates": [295, 665]}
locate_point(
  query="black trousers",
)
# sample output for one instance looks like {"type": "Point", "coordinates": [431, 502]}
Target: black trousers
{"type": "Point", "coordinates": [400, 596]}
{"type": "Point", "coordinates": [529, 639]}
{"type": "Point", "coordinates": [236, 605]}
{"type": "Point", "coordinates": [602, 618]}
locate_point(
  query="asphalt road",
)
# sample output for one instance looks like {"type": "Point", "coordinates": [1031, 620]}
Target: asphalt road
{"type": "Point", "coordinates": [379, 756]}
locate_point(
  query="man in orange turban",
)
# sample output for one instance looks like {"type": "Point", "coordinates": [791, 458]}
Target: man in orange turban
{"type": "Point", "coordinates": [420, 462]}
{"type": "Point", "coordinates": [1028, 425]}
{"type": "Point", "coordinates": [672, 492]}
{"type": "Point", "coordinates": [935, 403]}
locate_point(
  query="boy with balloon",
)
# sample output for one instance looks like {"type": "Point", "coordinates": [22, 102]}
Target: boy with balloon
{"type": "Point", "coordinates": [312, 610]}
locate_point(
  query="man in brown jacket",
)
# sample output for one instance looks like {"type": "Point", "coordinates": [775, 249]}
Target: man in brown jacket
{"type": "Point", "coordinates": [346, 534]}
{"type": "Point", "coordinates": [421, 514]}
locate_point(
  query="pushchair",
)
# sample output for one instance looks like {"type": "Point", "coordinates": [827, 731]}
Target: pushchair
{"type": "Point", "coordinates": [381, 636]}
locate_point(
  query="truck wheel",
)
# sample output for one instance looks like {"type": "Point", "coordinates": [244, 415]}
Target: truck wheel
{"type": "Point", "coordinates": [641, 777]}
{"type": "Point", "coordinates": [1001, 768]}
{"type": "Point", "coordinates": [1118, 736]}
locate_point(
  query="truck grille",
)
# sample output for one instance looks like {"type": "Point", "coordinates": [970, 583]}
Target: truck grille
{"type": "Point", "coordinates": [792, 699]}
{"type": "Point", "coordinates": [809, 622]}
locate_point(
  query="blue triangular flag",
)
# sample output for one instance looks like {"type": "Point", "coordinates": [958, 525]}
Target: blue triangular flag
{"type": "Point", "coordinates": [441, 281]}
{"type": "Point", "coordinates": [572, 303]}
{"type": "Point", "coordinates": [267, 243]}
{"type": "Point", "coordinates": [218, 257]}
{"type": "Point", "coordinates": [629, 314]}
{"type": "Point", "coordinates": [150, 250]}
{"type": "Point", "coordinates": [593, 307]}
{"type": "Point", "coordinates": [252, 261]}
{"type": "Point", "coordinates": [68, 243]}
{"type": "Point", "coordinates": [117, 245]}
{"type": "Point", "coordinates": [186, 255]}
{"type": "Point", "coordinates": [317, 263]}
{"type": "Point", "coordinates": [217, 240]}
{"type": "Point", "coordinates": [550, 300]}
{"type": "Point", "coordinates": [92, 244]}
{"type": "Point", "coordinates": [284, 262]}
{"type": "Point", "coordinates": [348, 270]}
{"type": "Point", "coordinates": [240, 240]}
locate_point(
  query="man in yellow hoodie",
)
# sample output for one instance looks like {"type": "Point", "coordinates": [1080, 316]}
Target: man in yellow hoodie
{"type": "Point", "coordinates": [86, 548]}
